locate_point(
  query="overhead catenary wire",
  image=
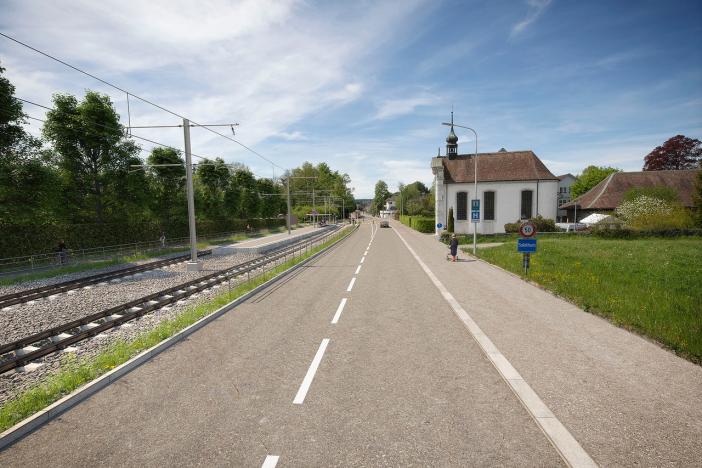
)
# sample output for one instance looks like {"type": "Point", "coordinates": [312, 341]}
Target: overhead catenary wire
{"type": "Point", "coordinates": [129, 93]}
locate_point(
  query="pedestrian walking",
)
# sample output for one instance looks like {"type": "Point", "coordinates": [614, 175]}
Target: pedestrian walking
{"type": "Point", "coordinates": [62, 252]}
{"type": "Point", "coordinates": [453, 245]}
{"type": "Point", "coordinates": [163, 239]}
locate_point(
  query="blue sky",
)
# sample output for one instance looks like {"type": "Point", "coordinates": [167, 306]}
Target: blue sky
{"type": "Point", "coordinates": [365, 86]}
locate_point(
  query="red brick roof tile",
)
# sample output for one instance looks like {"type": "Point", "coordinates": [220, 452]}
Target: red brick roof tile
{"type": "Point", "coordinates": [500, 166]}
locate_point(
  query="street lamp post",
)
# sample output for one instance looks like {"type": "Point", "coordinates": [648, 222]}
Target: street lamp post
{"type": "Point", "coordinates": [475, 225]}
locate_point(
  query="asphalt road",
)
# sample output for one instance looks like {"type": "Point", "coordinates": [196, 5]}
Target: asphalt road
{"type": "Point", "coordinates": [389, 377]}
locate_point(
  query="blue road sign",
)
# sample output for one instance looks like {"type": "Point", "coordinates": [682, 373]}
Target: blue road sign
{"type": "Point", "coordinates": [475, 216]}
{"type": "Point", "coordinates": [475, 205]}
{"type": "Point", "coordinates": [439, 225]}
{"type": "Point", "coordinates": [526, 245]}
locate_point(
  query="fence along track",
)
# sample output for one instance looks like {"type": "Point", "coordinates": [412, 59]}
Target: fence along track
{"type": "Point", "coordinates": [8, 300]}
{"type": "Point", "coordinates": [62, 336]}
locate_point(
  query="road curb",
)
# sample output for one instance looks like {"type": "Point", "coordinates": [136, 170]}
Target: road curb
{"type": "Point", "coordinates": [30, 424]}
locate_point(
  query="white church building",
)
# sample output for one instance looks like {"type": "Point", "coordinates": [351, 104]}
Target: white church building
{"type": "Point", "coordinates": [512, 186]}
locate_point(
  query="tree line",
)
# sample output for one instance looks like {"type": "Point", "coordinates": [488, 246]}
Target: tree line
{"type": "Point", "coordinates": [85, 169]}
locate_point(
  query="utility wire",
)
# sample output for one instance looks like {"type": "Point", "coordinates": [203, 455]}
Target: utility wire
{"type": "Point", "coordinates": [138, 97]}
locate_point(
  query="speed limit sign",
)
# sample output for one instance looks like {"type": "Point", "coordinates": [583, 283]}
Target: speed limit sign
{"type": "Point", "coordinates": [527, 229]}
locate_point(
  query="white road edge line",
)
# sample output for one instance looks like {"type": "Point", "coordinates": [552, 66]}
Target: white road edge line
{"type": "Point", "coordinates": [270, 461]}
{"type": "Point", "coordinates": [339, 309]}
{"type": "Point", "coordinates": [358, 270]}
{"type": "Point", "coordinates": [569, 449]}
{"type": "Point", "coordinates": [363, 259]}
{"type": "Point", "coordinates": [307, 381]}
{"type": "Point", "coordinates": [353, 280]}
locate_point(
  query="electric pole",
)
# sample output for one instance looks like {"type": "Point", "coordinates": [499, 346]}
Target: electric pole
{"type": "Point", "coordinates": [193, 264]}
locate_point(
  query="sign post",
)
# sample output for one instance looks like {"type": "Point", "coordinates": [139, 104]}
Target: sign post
{"type": "Point", "coordinates": [526, 245]}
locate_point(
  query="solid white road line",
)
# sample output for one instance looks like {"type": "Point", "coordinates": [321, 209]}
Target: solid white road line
{"type": "Point", "coordinates": [365, 253]}
{"type": "Point", "coordinates": [307, 381]}
{"type": "Point", "coordinates": [363, 259]}
{"type": "Point", "coordinates": [270, 461]}
{"type": "Point", "coordinates": [358, 270]}
{"type": "Point", "coordinates": [570, 450]}
{"type": "Point", "coordinates": [353, 280]}
{"type": "Point", "coordinates": [338, 311]}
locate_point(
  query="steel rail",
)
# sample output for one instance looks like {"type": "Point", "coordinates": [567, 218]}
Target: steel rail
{"type": "Point", "coordinates": [59, 337]}
{"type": "Point", "coordinates": [8, 300]}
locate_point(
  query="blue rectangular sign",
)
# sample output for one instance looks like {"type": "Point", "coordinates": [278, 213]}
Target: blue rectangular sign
{"type": "Point", "coordinates": [526, 245]}
{"type": "Point", "coordinates": [475, 205]}
{"type": "Point", "coordinates": [475, 216]}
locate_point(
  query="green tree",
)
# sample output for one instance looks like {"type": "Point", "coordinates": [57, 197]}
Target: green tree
{"type": "Point", "coordinates": [249, 200]}
{"type": "Point", "coordinates": [92, 152]}
{"type": "Point", "coordinates": [450, 221]}
{"type": "Point", "coordinates": [381, 196]}
{"type": "Point", "coordinates": [212, 182]}
{"type": "Point", "coordinates": [166, 174]}
{"type": "Point", "coordinates": [272, 201]}
{"type": "Point", "coordinates": [591, 176]}
{"type": "Point", "coordinates": [27, 180]}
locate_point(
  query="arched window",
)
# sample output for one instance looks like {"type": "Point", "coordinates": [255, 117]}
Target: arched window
{"type": "Point", "coordinates": [462, 206]}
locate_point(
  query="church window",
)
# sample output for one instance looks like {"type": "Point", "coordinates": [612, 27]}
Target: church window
{"type": "Point", "coordinates": [462, 205]}
{"type": "Point", "coordinates": [527, 197]}
{"type": "Point", "coordinates": [489, 206]}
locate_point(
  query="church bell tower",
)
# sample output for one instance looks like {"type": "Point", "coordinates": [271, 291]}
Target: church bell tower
{"type": "Point", "coordinates": [452, 142]}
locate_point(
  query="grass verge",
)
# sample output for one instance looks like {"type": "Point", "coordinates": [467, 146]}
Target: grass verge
{"type": "Point", "coordinates": [651, 286]}
{"type": "Point", "coordinates": [75, 373]}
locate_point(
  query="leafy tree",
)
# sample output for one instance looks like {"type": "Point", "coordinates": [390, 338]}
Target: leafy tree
{"type": "Point", "coordinates": [92, 152]}
{"type": "Point", "coordinates": [324, 182]}
{"type": "Point", "coordinates": [212, 181]}
{"type": "Point", "coordinates": [27, 181]}
{"type": "Point", "coordinates": [591, 176]}
{"type": "Point", "coordinates": [166, 175]}
{"type": "Point", "coordinates": [271, 205]}
{"type": "Point", "coordinates": [415, 199]}
{"type": "Point", "coordinates": [249, 200]}
{"type": "Point", "coordinates": [679, 152]}
{"type": "Point", "coordinates": [381, 196]}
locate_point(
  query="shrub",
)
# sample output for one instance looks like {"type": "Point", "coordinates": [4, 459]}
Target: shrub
{"type": "Point", "coordinates": [646, 213]}
{"type": "Point", "coordinates": [512, 227]}
{"type": "Point", "coordinates": [423, 224]}
{"type": "Point", "coordinates": [544, 225]}
{"type": "Point", "coordinates": [660, 192]}
{"type": "Point", "coordinates": [449, 222]}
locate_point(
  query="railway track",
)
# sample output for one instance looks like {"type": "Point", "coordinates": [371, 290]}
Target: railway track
{"type": "Point", "coordinates": [21, 352]}
{"type": "Point", "coordinates": [9, 300]}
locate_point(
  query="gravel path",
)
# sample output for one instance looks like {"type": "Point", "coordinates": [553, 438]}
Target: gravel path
{"type": "Point", "coordinates": [32, 317]}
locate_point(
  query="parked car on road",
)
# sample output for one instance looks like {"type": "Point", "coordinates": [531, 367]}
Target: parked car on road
{"type": "Point", "coordinates": [384, 223]}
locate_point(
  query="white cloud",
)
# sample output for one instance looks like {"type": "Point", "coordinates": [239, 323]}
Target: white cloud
{"type": "Point", "coordinates": [536, 7]}
{"type": "Point", "coordinates": [397, 107]}
{"type": "Point", "coordinates": [265, 64]}
{"type": "Point", "coordinates": [291, 136]}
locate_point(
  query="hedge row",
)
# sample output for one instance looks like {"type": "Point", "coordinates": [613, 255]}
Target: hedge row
{"type": "Point", "coordinates": [20, 240]}
{"type": "Point", "coordinates": [419, 223]}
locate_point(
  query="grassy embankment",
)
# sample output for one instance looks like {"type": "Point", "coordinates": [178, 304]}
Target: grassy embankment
{"type": "Point", "coordinates": [651, 286]}
{"type": "Point", "coordinates": [75, 373]}
{"type": "Point", "coordinates": [133, 258]}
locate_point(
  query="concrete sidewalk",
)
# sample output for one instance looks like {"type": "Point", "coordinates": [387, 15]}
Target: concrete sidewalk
{"type": "Point", "coordinates": [626, 400]}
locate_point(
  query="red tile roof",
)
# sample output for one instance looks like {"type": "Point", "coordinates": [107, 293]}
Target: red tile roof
{"type": "Point", "coordinates": [609, 193]}
{"type": "Point", "coordinates": [500, 166]}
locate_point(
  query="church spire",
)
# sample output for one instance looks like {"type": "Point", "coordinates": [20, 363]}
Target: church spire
{"type": "Point", "coordinates": [452, 142]}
